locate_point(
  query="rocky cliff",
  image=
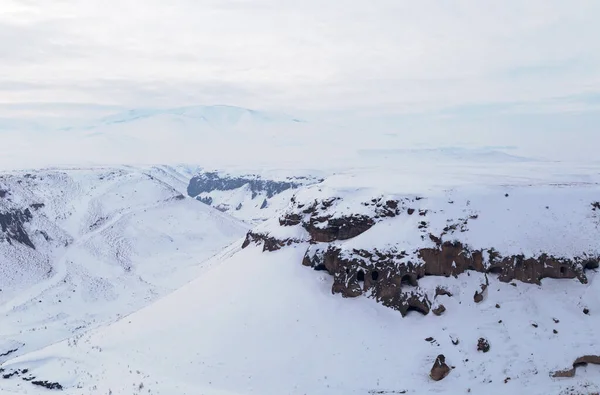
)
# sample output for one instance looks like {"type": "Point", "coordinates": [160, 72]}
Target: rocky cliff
{"type": "Point", "coordinates": [249, 197]}
{"type": "Point", "coordinates": [382, 246]}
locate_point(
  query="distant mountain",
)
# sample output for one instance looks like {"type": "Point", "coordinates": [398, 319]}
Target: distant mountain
{"type": "Point", "coordinates": [216, 116]}
{"type": "Point", "coordinates": [485, 154]}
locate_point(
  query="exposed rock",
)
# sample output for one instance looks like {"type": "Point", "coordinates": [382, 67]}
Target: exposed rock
{"type": "Point", "coordinates": [581, 361]}
{"type": "Point", "coordinates": [483, 345]}
{"type": "Point", "coordinates": [442, 291]}
{"type": "Point", "coordinates": [290, 220]}
{"type": "Point", "coordinates": [211, 181]}
{"type": "Point", "coordinates": [206, 200]}
{"type": "Point", "coordinates": [497, 306]}
{"type": "Point", "coordinates": [439, 310]}
{"type": "Point", "coordinates": [564, 373]}
{"type": "Point", "coordinates": [12, 226]}
{"type": "Point", "coordinates": [413, 301]}
{"type": "Point", "coordinates": [47, 384]}
{"type": "Point", "coordinates": [325, 230]}
{"type": "Point", "coordinates": [480, 295]}
{"type": "Point", "coordinates": [586, 311]}
{"type": "Point", "coordinates": [392, 276]}
{"type": "Point", "coordinates": [4, 354]}
{"type": "Point", "coordinates": [264, 204]}
{"type": "Point", "coordinates": [450, 259]}
{"type": "Point", "coordinates": [440, 369]}
{"type": "Point", "coordinates": [269, 243]}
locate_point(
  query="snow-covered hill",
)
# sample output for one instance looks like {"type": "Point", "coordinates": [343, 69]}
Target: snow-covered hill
{"type": "Point", "coordinates": [81, 247]}
{"type": "Point", "coordinates": [509, 251]}
{"type": "Point", "coordinates": [219, 117]}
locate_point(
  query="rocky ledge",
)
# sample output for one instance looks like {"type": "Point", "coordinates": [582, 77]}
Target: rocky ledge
{"type": "Point", "coordinates": [383, 246]}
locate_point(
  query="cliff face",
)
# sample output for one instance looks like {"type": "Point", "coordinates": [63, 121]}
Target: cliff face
{"type": "Point", "coordinates": [211, 181]}
{"type": "Point", "coordinates": [249, 197]}
{"type": "Point", "coordinates": [12, 226]}
{"type": "Point", "coordinates": [382, 246]}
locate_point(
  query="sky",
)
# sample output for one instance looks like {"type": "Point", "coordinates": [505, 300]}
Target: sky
{"type": "Point", "coordinates": [333, 57]}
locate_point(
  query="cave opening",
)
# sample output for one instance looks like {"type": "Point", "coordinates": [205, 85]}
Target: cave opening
{"type": "Point", "coordinates": [407, 279]}
{"type": "Point", "coordinates": [416, 309]}
{"type": "Point", "coordinates": [374, 275]}
{"type": "Point", "coordinates": [360, 275]}
{"type": "Point", "coordinates": [495, 270]}
{"type": "Point", "coordinates": [563, 270]}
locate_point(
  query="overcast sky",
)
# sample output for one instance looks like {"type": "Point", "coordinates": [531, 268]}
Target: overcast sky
{"type": "Point", "coordinates": [388, 56]}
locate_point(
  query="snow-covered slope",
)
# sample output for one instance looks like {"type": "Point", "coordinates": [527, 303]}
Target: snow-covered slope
{"type": "Point", "coordinates": [87, 246]}
{"type": "Point", "coordinates": [276, 329]}
{"type": "Point", "coordinates": [262, 322]}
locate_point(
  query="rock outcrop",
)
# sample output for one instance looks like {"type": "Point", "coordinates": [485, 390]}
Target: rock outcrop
{"type": "Point", "coordinates": [212, 181]}
{"type": "Point", "coordinates": [269, 243]}
{"type": "Point", "coordinates": [439, 310]}
{"type": "Point", "coordinates": [581, 361]}
{"type": "Point", "coordinates": [391, 276]}
{"type": "Point", "coordinates": [12, 226]}
{"type": "Point", "coordinates": [249, 197]}
{"type": "Point", "coordinates": [440, 369]}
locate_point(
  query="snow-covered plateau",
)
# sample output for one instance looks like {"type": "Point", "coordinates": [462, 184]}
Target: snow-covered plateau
{"type": "Point", "coordinates": [385, 270]}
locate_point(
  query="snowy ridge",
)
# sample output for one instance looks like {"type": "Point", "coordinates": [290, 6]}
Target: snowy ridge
{"type": "Point", "coordinates": [508, 218]}
{"type": "Point", "coordinates": [106, 242]}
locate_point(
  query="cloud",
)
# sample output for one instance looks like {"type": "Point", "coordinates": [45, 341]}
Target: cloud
{"type": "Point", "coordinates": [350, 55]}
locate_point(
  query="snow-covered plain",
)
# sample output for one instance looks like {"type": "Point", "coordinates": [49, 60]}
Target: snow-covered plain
{"type": "Point", "coordinates": [106, 306]}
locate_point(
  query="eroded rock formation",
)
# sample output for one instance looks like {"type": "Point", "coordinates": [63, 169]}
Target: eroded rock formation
{"type": "Point", "coordinates": [392, 276]}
